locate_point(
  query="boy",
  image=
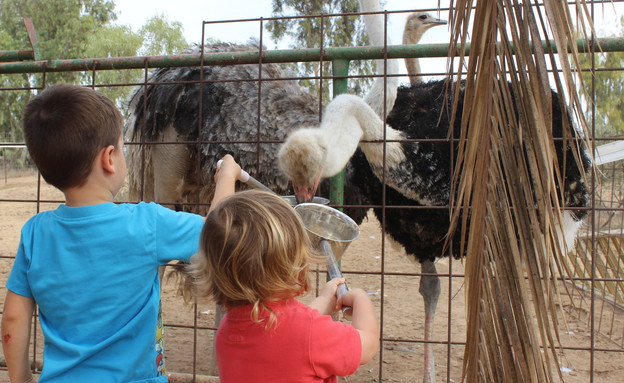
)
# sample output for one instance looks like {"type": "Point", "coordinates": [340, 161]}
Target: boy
{"type": "Point", "coordinates": [91, 265]}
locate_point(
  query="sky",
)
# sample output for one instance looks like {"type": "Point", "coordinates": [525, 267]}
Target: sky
{"type": "Point", "coordinates": [192, 14]}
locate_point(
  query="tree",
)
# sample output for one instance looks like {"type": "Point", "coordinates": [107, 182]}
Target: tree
{"type": "Point", "coordinates": [157, 37]}
{"type": "Point", "coordinates": [608, 87]}
{"type": "Point", "coordinates": [160, 37]}
{"type": "Point", "coordinates": [62, 27]}
{"type": "Point", "coordinates": [113, 41]}
{"type": "Point", "coordinates": [338, 31]}
{"type": "Point", "coordinates": [75, 29]}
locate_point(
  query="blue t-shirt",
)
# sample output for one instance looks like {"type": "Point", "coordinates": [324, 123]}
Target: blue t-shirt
{"type": "Point", "coordinates": [93, 272]}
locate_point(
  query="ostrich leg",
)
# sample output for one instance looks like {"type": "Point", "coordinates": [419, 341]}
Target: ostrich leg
{"type": "Point", "coordinates": [430, 291]}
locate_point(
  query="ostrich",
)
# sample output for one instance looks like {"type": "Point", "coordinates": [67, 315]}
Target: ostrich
{"type": "Point", "coordinates": [417, 174]}
{"type": "Point", "coordinates": [231, 123]}
{"type": "Point", "coordinates": [415, 27]}
{"type": "Point", "coordinates": [305, 187]}
{"type": "Point", "coordinates": [166, 111]}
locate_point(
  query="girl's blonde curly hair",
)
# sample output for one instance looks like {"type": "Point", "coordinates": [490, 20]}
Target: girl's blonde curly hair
{"type": "Point", "coordinates": [254, 249]}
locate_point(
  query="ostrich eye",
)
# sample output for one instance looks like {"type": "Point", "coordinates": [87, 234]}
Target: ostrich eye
{"type": "Point", "coordinates": [423, 17]}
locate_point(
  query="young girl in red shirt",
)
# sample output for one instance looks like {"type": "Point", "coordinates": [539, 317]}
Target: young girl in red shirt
{"type": "Point", "coordinates": [254, 260]}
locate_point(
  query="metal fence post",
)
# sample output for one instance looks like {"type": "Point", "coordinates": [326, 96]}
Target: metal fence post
{"type": "Point", "coordinates": [340, 71]}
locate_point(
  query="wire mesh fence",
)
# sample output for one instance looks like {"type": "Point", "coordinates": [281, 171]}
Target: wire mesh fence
{"type": "Point", "coordinates": [592, 339]}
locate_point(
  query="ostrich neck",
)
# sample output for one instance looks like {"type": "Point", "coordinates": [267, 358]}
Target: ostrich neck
{"type": "Point", "coordinates": [413, 68]}
{"type": "Point", "coordinates": [412, 64]}
{"type": "Point", "coordinates": [374, 23]}
{"type": "Point", "coordinates": [348, 120]}
{"type": "Point", "coordinates": [382, 94]}
{"type": "Point", "coordinates": [374, 129]}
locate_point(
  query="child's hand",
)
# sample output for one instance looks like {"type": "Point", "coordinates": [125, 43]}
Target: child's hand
{"type": "Point", "coordinates": [228, 171]}
{"type": "Point", "coordinates": [364, 320]}
{"type": "Point", "coordinates": [331, 288]}
{"type": "Point", "coordinates": [227, 168]}
{"type": "Point", "coordinates": [325, 303]}
{"type": "Point", "coordinates": [350, 297]}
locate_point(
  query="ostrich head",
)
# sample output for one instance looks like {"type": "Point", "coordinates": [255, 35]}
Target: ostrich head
{"type": "Point", "coordinates": [416, 25]}
{"type": "Point", "coordinates": [301, 158]}
{"type": "Point", "coordinates": [310, 154]}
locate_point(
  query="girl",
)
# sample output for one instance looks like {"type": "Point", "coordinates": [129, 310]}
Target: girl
{"type": "Point", "coordinates": [254, 260]}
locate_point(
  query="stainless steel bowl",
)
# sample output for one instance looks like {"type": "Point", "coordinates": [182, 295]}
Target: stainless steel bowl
{"type": "Point", "coordinates": [292, 200]}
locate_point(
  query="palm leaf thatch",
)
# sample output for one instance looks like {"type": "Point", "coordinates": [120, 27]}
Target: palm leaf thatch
{"type": "Point", "coordinates": [507, 179]}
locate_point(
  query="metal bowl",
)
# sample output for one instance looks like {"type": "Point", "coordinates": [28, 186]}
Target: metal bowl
{"type": "Point", "coordinates": [326, 223]}
{"type": "Point", "coordinates": [292, 200]}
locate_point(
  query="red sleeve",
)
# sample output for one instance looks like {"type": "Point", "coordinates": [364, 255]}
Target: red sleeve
{"type": "Point", "coordinates": [335, 347]}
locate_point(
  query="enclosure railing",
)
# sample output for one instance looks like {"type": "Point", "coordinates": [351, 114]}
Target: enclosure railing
{"type": "Point", "coordinates": [607, 44]}
{"type": "Point", "coordinates": [339, 57]}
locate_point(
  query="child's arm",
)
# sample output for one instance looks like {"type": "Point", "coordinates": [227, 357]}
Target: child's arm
{"type": "Point", "coordinates": [363, 320]}
{"type": "Point", "coordinates": [225, 179]}
{"type": "Point", "coordinates": [16, 322]}
{"type": "Point", "coordinates": [325, 303]}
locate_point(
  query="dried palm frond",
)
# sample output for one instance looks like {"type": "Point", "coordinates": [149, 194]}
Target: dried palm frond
{"type": "Point", "coordinates": [507, 182]}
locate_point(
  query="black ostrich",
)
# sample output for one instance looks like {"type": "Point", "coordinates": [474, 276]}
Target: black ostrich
{"type": "Point", "coordinates": [418, 174]}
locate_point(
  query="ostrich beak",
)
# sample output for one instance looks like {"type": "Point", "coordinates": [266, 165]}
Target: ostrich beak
{"type": "Point", "coordinates": [305, 194]}
{"type": "Point", "coordinates": [435, 21]}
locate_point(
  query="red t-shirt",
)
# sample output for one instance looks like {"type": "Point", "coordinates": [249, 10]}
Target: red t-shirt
{"type": "Point", "coordinates": [304, 347]}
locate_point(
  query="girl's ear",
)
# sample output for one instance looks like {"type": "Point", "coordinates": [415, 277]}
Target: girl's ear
{"type": "Point", "coordinates": [107, 160]}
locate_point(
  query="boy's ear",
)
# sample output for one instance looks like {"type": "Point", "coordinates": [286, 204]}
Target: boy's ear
{"type": "Point", "coordinates": [107, 159]}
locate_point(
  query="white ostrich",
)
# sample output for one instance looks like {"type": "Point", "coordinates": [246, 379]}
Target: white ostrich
{"type": "Point", "coordinates": [309, 144]}
{"type": "Point", "coordinates": [416, 25]}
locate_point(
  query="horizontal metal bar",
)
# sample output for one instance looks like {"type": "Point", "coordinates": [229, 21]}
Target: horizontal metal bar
{"type": "Point", "coordinates": [610, 44]}
{"type": "Point", "coordinates": [8, 56]}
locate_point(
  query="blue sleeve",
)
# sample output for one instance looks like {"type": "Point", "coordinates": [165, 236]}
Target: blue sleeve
{"type": "Point", "coordinates": [18, 279]}
{"type": "Point", "coordinates": [177, 234]}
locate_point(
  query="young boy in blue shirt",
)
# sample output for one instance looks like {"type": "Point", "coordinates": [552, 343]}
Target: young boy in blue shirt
{"type": "Point", "coordinates": [91, 265]}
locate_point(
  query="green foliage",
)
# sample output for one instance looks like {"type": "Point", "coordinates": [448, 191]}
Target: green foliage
{"type": "Point", "coordinates": [162, 37]}
{"type": "Point", "coordinates": [69, 29]}
{"type": "Point", "coordinates": [335, 31]}
{"type": "Point", "coordinates": [609, 87]}
{"type": "Point", "coordinates": [62, 28]}
{"type": "Point", "coordinates": [61, 25]}
{"type": "Point", "coordinates": [120, 41]}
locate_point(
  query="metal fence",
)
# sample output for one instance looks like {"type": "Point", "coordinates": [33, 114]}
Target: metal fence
{"type": "Point", "coordinates": [592, 341]}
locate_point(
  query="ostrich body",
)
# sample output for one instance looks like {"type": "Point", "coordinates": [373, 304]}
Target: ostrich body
{"type": "Point", "coordinates": [230, 113]}
{"type": "Point", "coordinates": [229, 124]}
{"type": "Point", "coordinates": [418, 174]}
{"type": "Point", "coordinates": [295, 164]}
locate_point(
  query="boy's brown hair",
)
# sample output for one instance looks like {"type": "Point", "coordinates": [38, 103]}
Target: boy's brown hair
{"type": "Point", "coordinates": [65, 127]}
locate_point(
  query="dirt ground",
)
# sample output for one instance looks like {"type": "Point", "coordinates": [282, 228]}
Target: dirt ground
{"type": "Point", "coordinates": [369, 263]}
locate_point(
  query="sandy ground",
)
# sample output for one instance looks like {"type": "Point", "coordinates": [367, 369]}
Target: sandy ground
{"type": "Point", "coordinates": [372, 264]}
